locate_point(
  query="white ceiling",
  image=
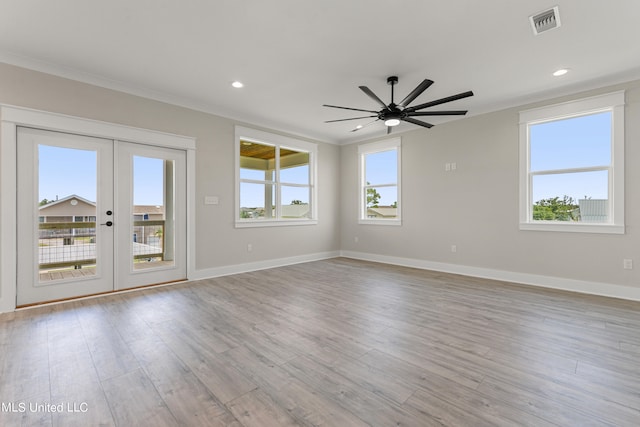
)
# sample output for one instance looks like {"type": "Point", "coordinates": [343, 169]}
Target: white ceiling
{"type": "Point", "coordinates": [295, 55]}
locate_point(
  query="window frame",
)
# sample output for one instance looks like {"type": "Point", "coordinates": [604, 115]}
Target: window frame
{"type": "Point", "coordinates": [611, 102]}
{"type": "Point", "coordinates": [372, 148]}
{"type": "Point", "coordinates": [277, 141]}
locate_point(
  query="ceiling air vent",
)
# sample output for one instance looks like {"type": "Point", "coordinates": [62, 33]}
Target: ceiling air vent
{"type": "Point", "coordinates": [545, 21]}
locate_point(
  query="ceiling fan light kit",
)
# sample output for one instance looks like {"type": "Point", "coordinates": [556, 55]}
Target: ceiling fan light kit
{"type": "Point", "coordinates": [392, 114]}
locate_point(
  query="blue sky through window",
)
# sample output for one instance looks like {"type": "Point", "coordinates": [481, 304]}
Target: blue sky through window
{"type": "Point", "coordinates": [252, 195]}
{"type": "Point", "coordinates": [148, 181]}
{"type": "Point", "coordinates": [67, 171]}
{"type": "Point", "coordinates": [577, 142]}
{"type": "Point", "coordinates": [382, 168]}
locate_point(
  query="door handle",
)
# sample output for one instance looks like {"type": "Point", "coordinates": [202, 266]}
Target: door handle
{"type": "Point", "coordinates": [108, 223]}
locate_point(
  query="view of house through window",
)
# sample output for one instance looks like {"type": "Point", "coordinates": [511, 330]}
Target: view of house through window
{"type": "Point", "coordinates": [379, 185]}
{"type": "Point", "coordinates": [67, 181]}
{"type": "Point", "coordinates": [275, 182]}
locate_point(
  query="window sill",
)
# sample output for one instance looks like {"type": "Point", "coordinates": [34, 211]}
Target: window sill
{"type": "Point", "coordinates": [274, 223]}
{"type": "Point", "coordinates": [573, 228]}
{"type": "Point", "coordinates": [380, 221]}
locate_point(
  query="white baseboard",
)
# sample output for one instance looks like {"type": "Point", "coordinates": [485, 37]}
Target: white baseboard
{"type": "Point", "coordinates": [7, 306]}
{"type": "Point", "coordinates": [585, 287]}
{"type": "Point", "coordinates": [227, 270]}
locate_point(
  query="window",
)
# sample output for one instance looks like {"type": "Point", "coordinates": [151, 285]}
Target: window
{"type": "Point", "coordinates": [379, 171]}
{"type": "Point", "coordinates": [275, 179]}
{"type": "Point", "coordinates": [572, 166]}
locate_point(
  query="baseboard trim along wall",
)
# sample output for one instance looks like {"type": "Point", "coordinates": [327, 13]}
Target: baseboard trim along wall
{"type": "Point", "coordinates": [580, 286]}
{"type": "Point", "coordinates": [227, 270]}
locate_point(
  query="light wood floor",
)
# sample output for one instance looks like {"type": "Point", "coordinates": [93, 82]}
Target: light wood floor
{"type": "Point", "coordinates": [333, 343]}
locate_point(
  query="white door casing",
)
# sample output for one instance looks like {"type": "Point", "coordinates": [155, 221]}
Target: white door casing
{"type": "Point", "coordinates": [13, 117]}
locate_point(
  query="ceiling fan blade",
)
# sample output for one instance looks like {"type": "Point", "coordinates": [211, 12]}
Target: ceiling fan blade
{"type": "Point", "coordinates": [344, 120]}
{"type": "Point", "coordinates": [437, 113]}
{"type": "Point", "coordinates": [416, 92]}
{"type": "Point", "coordinates": [417, 122]}
{"type": "Point", "coordinates": [439, 101]}
{"type": "Point", "coordinates": [373, 96]}
{"type": "Point", "coordinates": [349, 108]}
{"type": "Point", "coordinates": [364, 126]}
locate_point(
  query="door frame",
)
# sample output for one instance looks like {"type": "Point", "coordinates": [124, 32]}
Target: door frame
{"type": "Point", "coordinates": [11, 117]}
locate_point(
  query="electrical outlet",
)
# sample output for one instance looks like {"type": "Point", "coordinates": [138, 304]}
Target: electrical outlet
{"type": "Point", "coordinates": [447, 167]}
{"type": "Point", "coordinates": [627, 264]}
{"type": "Point", "coordinates": [249, 247]}
{"type": "Point", "coordinates": [454, 248]}
{"type": "Point", "coordinates": [211, 200]}
{"type": "Point", "coordinates": [356, 239]}
{"type": "Point", "coordinates": [454, 166]}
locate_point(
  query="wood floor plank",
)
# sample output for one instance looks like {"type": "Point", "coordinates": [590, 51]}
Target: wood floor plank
{"type": "Point", "coordinates": [308, 407]}
{"type": "Point", "coordinates": [110, 354]}
{"type": "Point", "coordinates": [341, 391]}
{"type": "Point", "coordinates": [134, 401]}
{"type": "Point", "coordinates": [219, 376]}
{"type": "Point", "coordinates": [76, 385]}
{"type": "Point", "coordinates": [188, 399]}
{"type": "Point", "coordinates": [257, 409]}
{"type": "Point", "coordinates": [26, 413]}
{"type": "Point", "coordinates": [263, 372]}
{"type": "Point", "coordinates": [449, 414]}
{"type": "Point", "coordinates": [382, 375]}
{"type": "Point", "coordinates": [24, 372]}
{"type": "Point", "coordinates": [445, 362]}
{"type": "Point", "coordinates": [121, 312]}
{"type": "Point", "coordinates": [540, 403]}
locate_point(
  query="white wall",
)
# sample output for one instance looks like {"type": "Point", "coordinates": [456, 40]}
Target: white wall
{"type": "Point", "coordinates": [220, 247]}
{"type": "Point", "coordinates": [476, 208]}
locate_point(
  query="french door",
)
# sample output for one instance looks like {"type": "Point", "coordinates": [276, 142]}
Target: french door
{"type": "Point", "coordinates": [96, 215]}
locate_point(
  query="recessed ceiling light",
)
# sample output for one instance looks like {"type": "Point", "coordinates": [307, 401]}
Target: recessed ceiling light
{"type": "Point", "coordinates": [237, 84]}
{"type": "Point", "coordinates": [560, 72]}
{"type": "Point", "coordinates": [359, 127]}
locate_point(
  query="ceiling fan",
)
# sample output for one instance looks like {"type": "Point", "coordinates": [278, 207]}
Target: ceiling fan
{"type": "Point", "coordinates": [392, 114]}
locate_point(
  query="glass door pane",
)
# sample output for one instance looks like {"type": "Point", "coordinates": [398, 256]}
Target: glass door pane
{"type": "Point", "coordinates": [153, 206]}
{"type": "Point", "coordinates": [67, 184]}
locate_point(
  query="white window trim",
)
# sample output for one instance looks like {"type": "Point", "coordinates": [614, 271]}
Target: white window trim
{"type": "Point", "coordinates": [613, 102]}
{"type": "Point", "coordinates": [267, 138]}
{"type": "Point", "coordinates": [376, 147]}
